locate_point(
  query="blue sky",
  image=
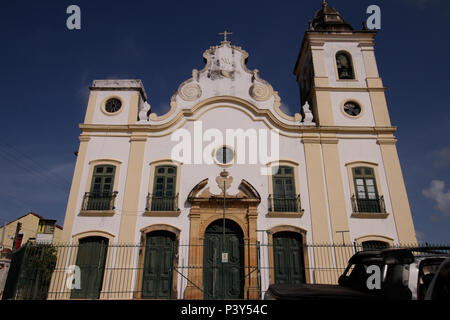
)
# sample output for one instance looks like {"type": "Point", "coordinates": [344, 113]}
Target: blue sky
{"type": "Point", "coordinates": [47, 69]}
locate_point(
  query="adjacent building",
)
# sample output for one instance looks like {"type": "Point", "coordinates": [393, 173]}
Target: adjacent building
{"type": "Point", "coordinates": [30, 226]}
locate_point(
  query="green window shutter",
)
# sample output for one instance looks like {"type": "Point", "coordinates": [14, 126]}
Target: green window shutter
{"type": "Point", "coordinates": [103, 179]}
{"type": "Point", "coordinates": [365, 183]}
{"type": "Point", "coordinates": [101, 187]}
{"type": "Point", "coordinates": [284, 194]}
{"type": "Point", "coordinates": [284, 183]}
{"type": "Point", "coordinates": [164, 186]}
{"type": "Point", "coordinates": [366, 192]}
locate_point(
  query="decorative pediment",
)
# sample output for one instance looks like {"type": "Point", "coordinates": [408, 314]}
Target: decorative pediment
{"type": "Point", "coordinates": [225, 74]}
{"type": "Point", "coordinates": [198, 187]}
{"type": "Point", "coordinates": [201, 191]}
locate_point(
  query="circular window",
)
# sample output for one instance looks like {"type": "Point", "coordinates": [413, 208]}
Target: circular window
{"type": "Point", "coordinates": [224, 155]}
{"type": "Point", "coordinates": [113, 105]}
{"type": "Point", "coordinates": [352, 108]}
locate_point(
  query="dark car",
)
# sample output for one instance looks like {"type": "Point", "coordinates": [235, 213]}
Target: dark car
{"type": "Point", "coordinates": [405, 274]}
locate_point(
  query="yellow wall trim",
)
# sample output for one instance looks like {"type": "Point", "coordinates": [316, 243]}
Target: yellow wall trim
{"type": "Point", "coordinates": [93, 233]}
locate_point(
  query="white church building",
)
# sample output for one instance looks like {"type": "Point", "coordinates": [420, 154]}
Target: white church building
{"type": "Point", "coordinates": [225, 170]}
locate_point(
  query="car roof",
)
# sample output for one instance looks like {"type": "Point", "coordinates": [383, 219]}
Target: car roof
{"type": "Point", "coordinates": [386, 256]}
{"type": "Point", "coordinates": [399, 255]}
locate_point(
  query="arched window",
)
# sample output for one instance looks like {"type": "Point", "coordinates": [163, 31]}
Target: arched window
{"type": "Point", "coordinates": [374, 245]}
{"type": "Point", "coordinates": [344, 65]}
{"type": "Point", "coordinates": [367, 199]}
{"type": "Point", "coordinates": [164, 189]}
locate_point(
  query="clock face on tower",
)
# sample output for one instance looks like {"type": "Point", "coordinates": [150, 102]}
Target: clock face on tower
{"type": "Point", "coordinates": [352, 108]}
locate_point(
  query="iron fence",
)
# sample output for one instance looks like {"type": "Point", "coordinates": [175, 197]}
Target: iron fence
{"type": "Point", "coordinates": [63, 271]}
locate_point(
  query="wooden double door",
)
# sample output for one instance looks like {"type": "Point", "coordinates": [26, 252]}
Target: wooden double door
{"type": "Point", "coordinates": [91, 259]}
{"type": "Point", "coordinates": [223, 261]}
{"type": "Point", "coordinates": [158, 265]}
{"type": "Point", "coordinates": [289, 265]}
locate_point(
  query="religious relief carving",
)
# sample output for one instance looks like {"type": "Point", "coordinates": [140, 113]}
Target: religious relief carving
{"type": "Point", "coordinates": [190, 91]}
{"type": "Point", "coordinates": [224, 181]}
{"type": "Point", "coordinates": [221, 67]}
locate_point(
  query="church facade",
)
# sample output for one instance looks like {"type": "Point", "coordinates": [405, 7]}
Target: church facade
{"type": "Point", "coordinates": [225, 169]}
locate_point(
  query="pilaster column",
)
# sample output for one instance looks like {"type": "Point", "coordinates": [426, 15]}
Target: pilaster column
{"type": "Point", "coordinates": [124, 262]}
{"type": "Point", "coordinates": [335, 189]}
{"type": "Point", "coordinates": [397, 191]}
{"type": "Point", "coordinates": [195, 274]}
{"type": "Point", "coordinates": [75, 195]}
{"type": "Point", "coordinates": [318, 208]}
{"type": "Point", "coordinates": [252, 292]}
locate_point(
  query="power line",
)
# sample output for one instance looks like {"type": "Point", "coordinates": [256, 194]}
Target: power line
{"type": "Point", "coordinates": [34, 162]}
{"type": "Point", "coordinates": [17, 158]}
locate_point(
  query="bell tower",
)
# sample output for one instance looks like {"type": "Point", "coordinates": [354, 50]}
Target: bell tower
{"type": "Point", "coordinates": [337, 73]}
{"type": "Point", "coordinates": [338, 77]}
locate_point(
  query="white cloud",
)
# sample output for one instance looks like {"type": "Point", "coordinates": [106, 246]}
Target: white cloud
{"type": "Point", "coordinates": [442, 158]}
{"type": "Point", "coordinates": [161, 109]}
{"type": "Point", "coordinates": [285, 108]}
{"type": "Point", "coordinates": [436, 192]}
{"type": "Point", "coordinates": [420, 236]}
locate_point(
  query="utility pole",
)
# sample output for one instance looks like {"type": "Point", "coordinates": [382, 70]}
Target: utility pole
{"type": "Point", "coordinates": [3, 232]}
{"type": "Point", "coordinates": [18, 228]}
{"type": "Point", "coordinates": [224, 254]}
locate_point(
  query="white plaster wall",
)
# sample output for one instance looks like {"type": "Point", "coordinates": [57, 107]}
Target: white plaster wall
{"type": "Point", "coordinates": [100, 117]}
{"type": "Point", "coordinates": [330, 50]}
{"type": "Point", "coordinates": [223, 118]}
{"type": "Point", "coordinates": [351, 150]}
{"type": "Point", "coordinates": [160, 148]}
{"type": "Point", "coordinates": [362, 98]}
{"type": "Point", "coordinates": [116, 148]}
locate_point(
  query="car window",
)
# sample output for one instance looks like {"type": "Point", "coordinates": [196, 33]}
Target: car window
{"type": "Point", "coordinates": [440, 285]}
{"type": "Point", "coordinates": [427, 271]}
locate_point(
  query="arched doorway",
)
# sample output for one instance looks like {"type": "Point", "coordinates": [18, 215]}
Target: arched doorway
{"type": "Point", "coordinates": [289, 265]}
{"type": "Point", "coordinates": [158, 265]}
{"type": "Point", "coordinates": [223, 277]}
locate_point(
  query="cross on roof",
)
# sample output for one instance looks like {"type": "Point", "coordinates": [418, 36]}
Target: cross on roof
{"type": "Point", "coordinates": [225, 33]}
